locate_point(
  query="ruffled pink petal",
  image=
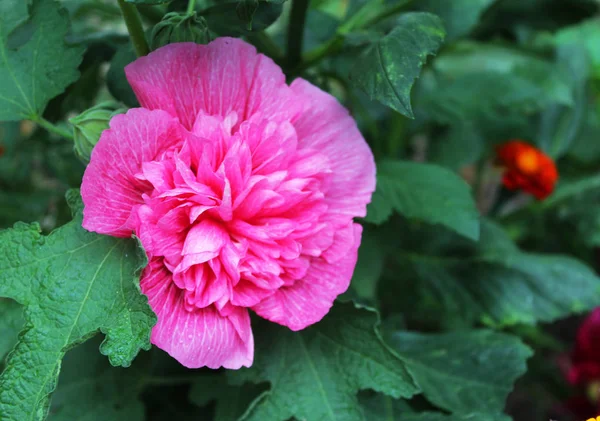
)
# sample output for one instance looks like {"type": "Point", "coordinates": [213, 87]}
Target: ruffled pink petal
{"type": "Point", "coordinates": [226, 75]}
{"type": "Point", "coordinates": [308, 300]}
{"type": "Point", "coordinates": [109, 188]}
{"type": "Point", "coordinates": [326, 126]}
{"type": "Point", "coordinates": [199, 338]}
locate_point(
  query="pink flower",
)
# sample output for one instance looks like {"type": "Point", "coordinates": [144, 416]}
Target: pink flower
{"type": "Point", "coordinates": [585, 358]}
{"type": "Point", "coordinates": [242, 190]}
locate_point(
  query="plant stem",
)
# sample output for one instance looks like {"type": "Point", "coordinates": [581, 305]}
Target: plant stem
{"type": "Point", "coordinates": [134, 27]}
{"type": "Point", "coordinates": [52, 128]}
{"type": "Point", "coordinates": [296, 32]}
{"type": "Point", "coordinates": [396, 134]}
{"type": "Point", "coordinates": [191, 6]}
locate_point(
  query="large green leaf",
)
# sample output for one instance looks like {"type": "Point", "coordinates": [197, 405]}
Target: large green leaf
{"type": "Point", "coordinates": [11, 323]}
{"type": "Point", "coordinates": [445, 279]}
{"type": "Point", "coordinates": [315, 374]}
{"type": "Point", "coordinates": [73, 283]}
{"type": "Point", "coordinates": [388, 68]}
{"type": "Point", "coordinates": [424, 192]}
{"type": "Point", "coordinates": [379, 407]}
{"type": "Point", "coordinates": [90, 389]}
{"type": "Point", "coordinates": [35, 63]}
{"type": "Point", "coordinates": [463, 372]}
{"type": "Point", "coordinates": [459, 16]}
{"type": "Point", "coordinates": [587, 34]}
{"type": "Point", "coordinates": [492, 88]}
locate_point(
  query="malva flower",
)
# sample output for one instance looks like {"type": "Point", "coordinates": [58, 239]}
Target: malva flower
{"type": "Point", "coordinates": [527, 168]}
{"type": "Point", "coordinates": [585, 358]}
{"type": "Point", "coordinates": [242, 190]}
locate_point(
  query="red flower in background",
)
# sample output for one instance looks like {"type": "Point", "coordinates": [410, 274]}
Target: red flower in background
{"type": "Point", "coordinates": [585, 359]}
{"type": "Point", "coordinates": [527, 168]}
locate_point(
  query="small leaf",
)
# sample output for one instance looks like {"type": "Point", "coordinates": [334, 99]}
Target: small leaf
{"type": "Point", "coordinates": [41, 66]}
{"type": "Point", "coordinates": [73, 283]}
{"type": "Point", "coordinates": [315, 374]}
{"type": "Point", "coordinates": [388, 68]}
{"type": "Point", "coordinates": [424, 192]}
{"type": "Point", "coordinates": [463, 372]}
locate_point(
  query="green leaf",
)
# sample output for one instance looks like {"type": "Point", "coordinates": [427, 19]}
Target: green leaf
{"type": "Point", "coordinates": [73, 283]}
{"type": "Point", "coordinates": [89, 388]}
{"type": "Point", "coordinates": [459, 16]}
{"type": "Point", "coordinates": [315, 374]}
{"type": "Point", "coordinates": [116, 81]}
{"type": "Point", "coordinates": [236, 19]}
{"type": "Point", "coordinates": [586, 33]}
{"type": "Point", "coordinates": [491, 87]}
{"type": "Point", "coordinates": [463, 372]}
{"type": "Point", "coordinates": [369, 267]}
{"type": "Point", "coordinates": [388, 68]}
{"type": "Point", "coordinates": [572, 190]}
{"type": "Point", "coordinates": [41, 66]}
{"type": "Point", "coordinates": [585, 148]}
{"type": "Point", "coordinates": [379, 407]}
{"type": "Point", "coordinates": [424, 192]}
{"type": "Point", "coordinates": [11, 323]}
{"type": "Point", "coordinates": [560, 125]}
{"type": "Point", "coordinates": [447, 280]}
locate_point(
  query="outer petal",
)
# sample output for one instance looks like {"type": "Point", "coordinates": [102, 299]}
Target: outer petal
{"type": "Point", "coordinates": [326, 126]}
{"type": "Point", "coordinates": [223, 76]}
{"type": "Point", "coordinates": [308, 300]}
{"type": "Point", "coordinates": [196, 338]}
{"type": "Point", "coordinates": [110, 189]}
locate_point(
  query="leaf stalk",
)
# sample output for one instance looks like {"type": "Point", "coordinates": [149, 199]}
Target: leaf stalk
{"type": "Point", "coordinates": [134, 27]}
{"type": "Point", "coordinates": [52, 128]}
{"type": "Point", "coordinates": [296, 32]}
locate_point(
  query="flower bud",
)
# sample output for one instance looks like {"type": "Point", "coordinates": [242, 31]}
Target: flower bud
{"type": "Point", "coordinates": [89, 125]}
{"type": "Point", "coordinates": [179, 27]}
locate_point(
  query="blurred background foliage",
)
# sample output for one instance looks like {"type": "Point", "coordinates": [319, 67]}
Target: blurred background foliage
{"type": "Point", "coordinates": [508, 69]}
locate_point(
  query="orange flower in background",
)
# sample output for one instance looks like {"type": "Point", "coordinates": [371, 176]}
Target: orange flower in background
{"type": "Point", "coordinates": [527, 168]}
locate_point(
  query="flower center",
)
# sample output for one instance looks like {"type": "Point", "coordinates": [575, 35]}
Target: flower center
{"type": "Point", "coordinates": [528, 162]}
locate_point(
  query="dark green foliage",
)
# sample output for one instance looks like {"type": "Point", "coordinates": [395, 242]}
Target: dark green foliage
{"type": "Point", "coordinates": [475, 286]}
